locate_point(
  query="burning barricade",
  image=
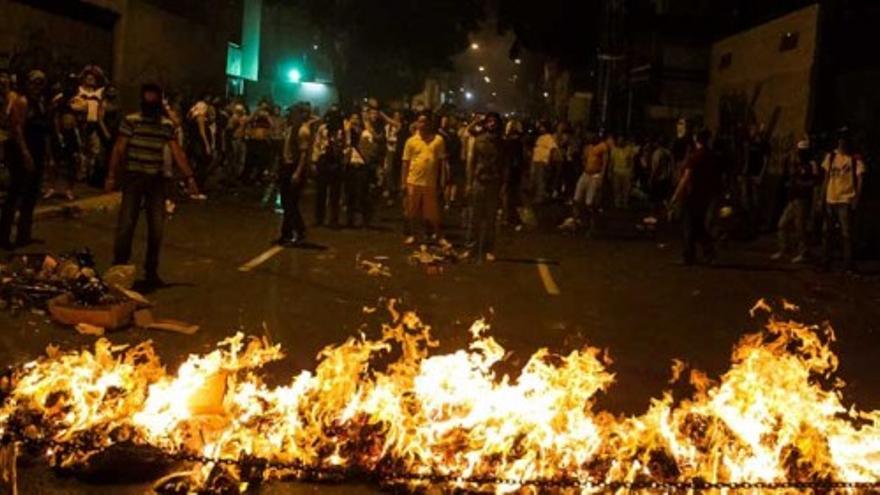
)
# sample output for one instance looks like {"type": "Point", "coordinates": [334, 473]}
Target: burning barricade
{"type": "Point", "coordinates": [391, 410]}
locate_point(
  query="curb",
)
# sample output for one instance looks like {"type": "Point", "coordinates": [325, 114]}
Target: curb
{"type": "Point", "coordinates": [99, 202]}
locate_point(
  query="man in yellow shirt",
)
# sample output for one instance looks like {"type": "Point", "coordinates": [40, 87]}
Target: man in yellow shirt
{"type": "Point", "coordinates": [424, 155]}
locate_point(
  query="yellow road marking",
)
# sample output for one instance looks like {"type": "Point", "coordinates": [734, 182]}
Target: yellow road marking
{"type": "Point", "coordinates": [547, 278]}
{"type": "Point", "coordinates": [262, 258]}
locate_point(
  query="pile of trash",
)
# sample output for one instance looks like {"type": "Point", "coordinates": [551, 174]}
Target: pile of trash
{"type": "Point", "coordinates": [434, 256]}
{"type": "Point", "coordinates": [32, 280]}
{"type": "Point", "coordinates": [70, 288]}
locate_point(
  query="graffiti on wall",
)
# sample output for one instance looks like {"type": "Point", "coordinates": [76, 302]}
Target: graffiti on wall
{"type": "Point", "coordinates": [737, 112]}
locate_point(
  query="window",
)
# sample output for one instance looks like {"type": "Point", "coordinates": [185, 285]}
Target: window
{"type": "Point", "coordinates": [789, 41]}
{"type": "Point", "coordinates": [726, 60]}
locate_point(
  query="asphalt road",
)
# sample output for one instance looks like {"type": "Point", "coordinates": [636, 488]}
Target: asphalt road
{"type": "Point", "coordinates": [623, 292]}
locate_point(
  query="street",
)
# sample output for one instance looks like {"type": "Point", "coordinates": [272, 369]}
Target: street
{"type": "Point", "coordinates": [628, 296]}
{"type": "Point", "coordinates": [623, 294]}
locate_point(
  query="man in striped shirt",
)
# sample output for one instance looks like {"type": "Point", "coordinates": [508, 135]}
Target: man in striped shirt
{"type": "Point", "coordinates": [137, 158]}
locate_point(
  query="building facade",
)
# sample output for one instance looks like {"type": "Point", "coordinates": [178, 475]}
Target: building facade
{"type": "Point", "coordinates": [176, 44]}
{"type": "Point", "coordinates": [766, 76]}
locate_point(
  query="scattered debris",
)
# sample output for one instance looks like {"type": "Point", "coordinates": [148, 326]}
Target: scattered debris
{"type": "Point", "coordinates": [121, 276]}
{"type": "Point", "coordinates": [173, 326]}
{"type": "Point", "coordinates": [87, 329]}
{"type": "Point", "coordinates": [115, 315]}
{"type": "Point", "coordinates": [72, 291]}
{"type": "Point", "coordinates": [437, 255]}
{"type": "Point", "coordinates": [373, 268]}
{"type": "Point", "coordinates": [760, 305]}
{"type": "Point", "coordinates": [144, 318]}
{"type": "Point", "coordinates": [31, 280]}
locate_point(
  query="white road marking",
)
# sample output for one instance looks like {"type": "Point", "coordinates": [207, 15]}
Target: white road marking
{"type": "Point", "coordinates": [259, 260]}
{"type": "Point", "coordinates": [547, 278]}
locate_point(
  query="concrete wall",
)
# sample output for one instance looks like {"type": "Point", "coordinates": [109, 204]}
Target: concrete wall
{"type": "Point", "coordinates": [763, 84]}
{"type": "Point", "coordinates": [133, 40]}
{"type": "Point", "coordinates": [178, 53]}
{"type": "Point", "coordinates": [31, 37]}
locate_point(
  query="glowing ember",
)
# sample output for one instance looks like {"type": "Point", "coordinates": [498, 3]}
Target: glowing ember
{"type": "Point", "coordinates": [389, 408]}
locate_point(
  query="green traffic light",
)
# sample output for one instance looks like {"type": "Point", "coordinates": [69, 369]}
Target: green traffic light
{"type": "Point", "coordinates": [294, 75]}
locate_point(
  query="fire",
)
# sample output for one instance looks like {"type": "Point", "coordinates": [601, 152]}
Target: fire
{"type": "Point", "coordinates": [391, 409]}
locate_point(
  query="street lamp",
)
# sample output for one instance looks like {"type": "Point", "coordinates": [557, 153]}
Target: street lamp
{"type": "Point", "coordinates": [294, 75]}
{"type": "Point", "coordinates": [482, 69]}
{"type": "Point", "coordinates": [487, 79]}
{"type": "Point", "coordinates": [517, 61]}
{"type": "Point", "coordinates": [475, 46]}
{"type": "Point", "coordinates": [468, 95]}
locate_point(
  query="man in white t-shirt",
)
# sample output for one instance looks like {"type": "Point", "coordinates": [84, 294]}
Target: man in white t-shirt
{"type": "Point", "coordinates": [89, 100]}
{"type": "Point", "coordinates": [424, 155]}
{"type": "Point", "coordinates": [843, 189]}
{"type": "Point", "coordinates": [546, 150]}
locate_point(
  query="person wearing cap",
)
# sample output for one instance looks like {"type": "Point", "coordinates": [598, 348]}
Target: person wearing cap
{"type": "Point", "coordinates": [800, 175]}
{"type": "Point", "coordinates": [137, 160]}
{"type": "Point", "coordinates": [90, 96]}
{"type": "Point", "coordinates": [30, 126]}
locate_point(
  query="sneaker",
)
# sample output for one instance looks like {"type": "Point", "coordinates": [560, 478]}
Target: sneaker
{"type": "Point", "coordinates": [777, 255]}
{"type": "Point", "coordinates": [799, 259]}
{"type": "Point", "coordinates": [409, 241]}
{"type": "Point", "coordinates": [285, 241]}
{"type": "Point", "coordinates": [570, 223]}
{"type": "Point", "coordinates": [69, 195]}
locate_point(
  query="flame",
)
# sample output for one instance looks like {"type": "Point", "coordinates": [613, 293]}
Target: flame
{"type": "Point", "coordinates": [391, 407]}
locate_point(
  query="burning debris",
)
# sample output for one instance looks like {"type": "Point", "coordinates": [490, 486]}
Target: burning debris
{"type": "Point", "coordinates": [373, 267]}
{"type": "Point", "coordinates": [775, 418]}
{"type": "Point", "coordinates": [435, 256]}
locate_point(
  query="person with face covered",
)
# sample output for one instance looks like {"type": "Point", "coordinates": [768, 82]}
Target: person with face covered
{"type": "Point", "coordinates": [137, 161]}
{"type": "Point", "coordinates": [30, 128]}
{"type": "Point", "coordinates": [484, 181]}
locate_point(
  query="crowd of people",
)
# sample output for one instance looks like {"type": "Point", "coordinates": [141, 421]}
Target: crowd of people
{"type": "Point", "coordinates": [493, 170]}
